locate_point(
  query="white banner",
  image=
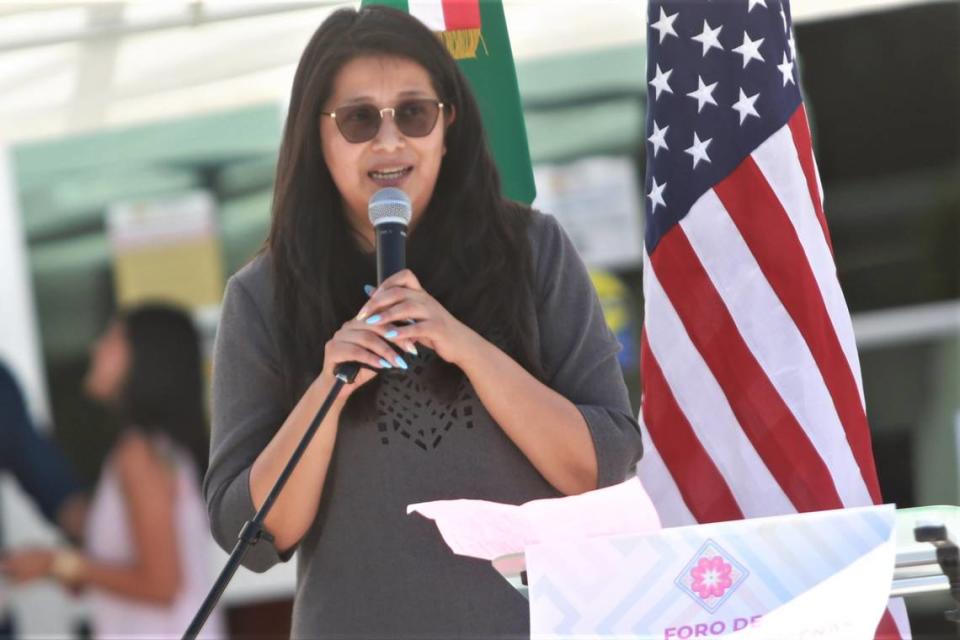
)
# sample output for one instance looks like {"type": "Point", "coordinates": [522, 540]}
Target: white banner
{"type": "Point", "coordinates": [760, 578]}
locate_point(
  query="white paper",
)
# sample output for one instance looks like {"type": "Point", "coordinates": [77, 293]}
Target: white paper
{"type": "Point", "coordinates": [488, 530]}
{"type": "Point", "coordinates": [863, 589]}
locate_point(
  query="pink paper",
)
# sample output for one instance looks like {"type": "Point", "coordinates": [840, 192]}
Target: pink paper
{"type": "Point", "coordinates": [488, 530]}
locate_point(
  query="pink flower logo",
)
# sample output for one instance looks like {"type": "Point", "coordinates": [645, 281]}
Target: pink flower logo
{"type": "Point", "coordinates": [711, 577]}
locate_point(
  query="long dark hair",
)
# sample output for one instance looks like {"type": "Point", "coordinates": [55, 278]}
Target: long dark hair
{"type": "Point", "coordinates": [163, 390]}
{"type": "Point", "coordinates": [470, 249]}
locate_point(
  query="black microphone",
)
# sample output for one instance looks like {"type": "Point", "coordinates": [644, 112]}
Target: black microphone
{"type": "Point", "coordinates": [389, 210]}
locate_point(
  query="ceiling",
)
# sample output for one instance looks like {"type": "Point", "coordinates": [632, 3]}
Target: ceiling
{"type": "Point", "coordinates": [67, 67]}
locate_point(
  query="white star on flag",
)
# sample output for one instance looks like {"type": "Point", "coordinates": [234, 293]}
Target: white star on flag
{"type": "Point", "coordinates": [658, 138]}
{"type": "Point", "coordinates": [750, 49]}
{"type": "Point", "coordinates": [665, 24]}
{"type": "Point", "coordinates": [754, 3]}
{"type": "Point", "coordinates": [699, 150]}
{"type": "Point", "coordinates": [786, 68]}
{"type": "Point", "coordinates": [744, 106]}
{"type": "Point", "coordinates": [656, 195]}
{"type": "Point", "coordinates": [660, 81]}
{"type": "Point", "coordinates": [703, 94]}
{"type": "Point", "coordinates": [793, 47]}
{"type": "Point", "coordinates": [709, 38]}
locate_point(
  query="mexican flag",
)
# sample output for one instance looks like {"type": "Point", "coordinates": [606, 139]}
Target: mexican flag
{"type": "Point", "coordinates": [475, 32]}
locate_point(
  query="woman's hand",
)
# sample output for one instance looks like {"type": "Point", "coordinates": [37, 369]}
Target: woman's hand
{"type": "Point", "coordinates": [400, 299]}
{"type": "Point", "coordinates": [27, 565]}
{"type": "Point", "coordinates": [357, 341]}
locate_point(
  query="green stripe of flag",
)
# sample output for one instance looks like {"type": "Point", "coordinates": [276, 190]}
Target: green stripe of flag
{"type": "Point", "coordinates": [403, 5]}
{"type": "Point", "coordinates": [493, 78]}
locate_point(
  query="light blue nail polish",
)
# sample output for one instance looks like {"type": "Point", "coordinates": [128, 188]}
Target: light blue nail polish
{"type": "Point", "coordinates": [385, 364]}
{"type": "Point", "coordinates": [373, 319]}
{"type": "Point", "coordinates": [400, 362]}
{"type": "Point", "coordinates": [391, 334]}
{"type": "Point", "coordinates": [369, 289]}
{"type": "Point", "coordinates": [413, 350]}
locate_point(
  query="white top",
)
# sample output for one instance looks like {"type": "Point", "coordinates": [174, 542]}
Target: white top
{"type": "Point", "coordinates": [108, 539]}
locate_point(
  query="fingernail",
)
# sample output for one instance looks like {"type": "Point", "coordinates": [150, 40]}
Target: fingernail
{"type": "Point", "coordinates": [413, 349]}
{"type": "Point", "coordinates": [373, 319]}
{"type": "Point", "coordinates": [362, 314]}
{"type": "Point", "coordinates": [369, 289]}
{"type": "Point", "coordinates": [400, 362]}
{"type": "Point", "coordinates": [391, 334]}
{"type": "Point", "coordinates": [385, 364]}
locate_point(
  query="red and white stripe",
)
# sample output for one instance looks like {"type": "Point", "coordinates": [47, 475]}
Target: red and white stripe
{"type": "Point", "coordinates": [752, 395]}
{"type": "Point", "coordinates": [447, 15]}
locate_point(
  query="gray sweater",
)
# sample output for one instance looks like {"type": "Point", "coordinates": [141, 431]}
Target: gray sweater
{"type": "Point", "coordinates": [365, 568]}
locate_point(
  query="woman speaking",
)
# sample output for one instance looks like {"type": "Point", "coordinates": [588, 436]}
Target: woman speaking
{"type": "Point", "coordinates": [504, 387]}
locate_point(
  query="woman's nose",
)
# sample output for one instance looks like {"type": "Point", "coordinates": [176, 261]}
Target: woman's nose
{"type": "Point", "coordinates": [389, 136]}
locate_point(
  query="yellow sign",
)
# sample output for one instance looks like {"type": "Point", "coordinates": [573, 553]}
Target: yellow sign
{"type": "Point", "coordinates": [167, 250]}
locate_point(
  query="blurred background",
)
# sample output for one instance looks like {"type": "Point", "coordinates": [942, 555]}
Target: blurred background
{"type": "Point", "coordinates": [137, 149]}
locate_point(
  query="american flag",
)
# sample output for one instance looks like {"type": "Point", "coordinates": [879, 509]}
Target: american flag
{"type": "Point", "coordinates": [752, 397]}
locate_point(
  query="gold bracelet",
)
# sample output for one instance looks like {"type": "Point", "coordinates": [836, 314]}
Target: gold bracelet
{"type": "Point", "coordinates": [67, 566]}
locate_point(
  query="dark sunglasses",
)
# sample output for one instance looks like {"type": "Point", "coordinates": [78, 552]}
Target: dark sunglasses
{"type": "Point", "coordinates": [361, 122]}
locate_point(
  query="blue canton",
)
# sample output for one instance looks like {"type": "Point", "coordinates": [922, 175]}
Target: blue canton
{"type": "Point", "coordinates": [721, 79]}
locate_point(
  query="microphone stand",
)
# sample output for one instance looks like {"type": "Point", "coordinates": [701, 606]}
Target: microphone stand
{"type": "Point", "coordinates": [253, 531]}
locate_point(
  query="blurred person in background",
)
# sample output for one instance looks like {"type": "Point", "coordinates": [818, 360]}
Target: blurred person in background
{"type": "Point", "coordinates": [506, 388]}
{"type": "Point", "coordinates": [145, 555]}
{"type": "Point", "coordinates": [41, 470]}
